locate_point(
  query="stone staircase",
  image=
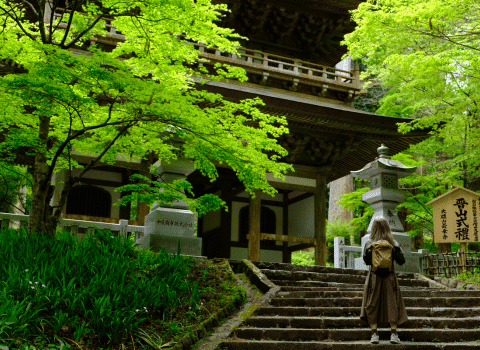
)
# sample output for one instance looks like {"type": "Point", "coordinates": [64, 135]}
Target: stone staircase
{"type": "Point", "coordinates": [318, 308]}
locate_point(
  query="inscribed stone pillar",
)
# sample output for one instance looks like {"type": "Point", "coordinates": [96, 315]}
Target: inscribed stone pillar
{"type": "Point", "coordinates": [339, 187]}
{"type": "Point", "coordinates": [166, 226]}
{"type": "Point", "coordinates": [254, 226]}
{"type": "Point", "coordinates": [320, 220]}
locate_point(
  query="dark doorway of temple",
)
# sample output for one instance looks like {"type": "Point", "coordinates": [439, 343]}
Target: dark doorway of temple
{"type": "Point", "coordinates": [268, 221]}
{"type": "Point", "coordinates": [90, 201]}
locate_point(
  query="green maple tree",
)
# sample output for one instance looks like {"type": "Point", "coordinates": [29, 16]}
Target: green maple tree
{"type": "Point", "coordinates": [72, 94]}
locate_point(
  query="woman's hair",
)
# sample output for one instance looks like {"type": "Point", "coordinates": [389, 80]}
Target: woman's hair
{"type": "Point", "coordinates": [381, 230]}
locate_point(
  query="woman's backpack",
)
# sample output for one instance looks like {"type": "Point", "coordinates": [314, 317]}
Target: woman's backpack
{"type": "Point", "coordinates": [382, 262]}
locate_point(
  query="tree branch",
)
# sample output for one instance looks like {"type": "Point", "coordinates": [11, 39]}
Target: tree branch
{"type": "Point", "coordinates": [17, 21]}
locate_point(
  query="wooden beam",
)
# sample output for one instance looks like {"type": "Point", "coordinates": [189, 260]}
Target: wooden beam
{"type": "Point", "coordinates": [300, 198]}
{"type": "Point", "coordinates": [286, 255]}
{"type": "Point", "coordinates": [292, 187]}
{"type": "Point", "coordinates": [264, 202]}
{"type": "Point", "coordinates": [320, 220]}
{"type": "Point", "coordinates": [262, 246]}
{"type": "Point", "coordinates": [284, 238]}
{"type": "Point", "coordinates": [254, 227]}
{"type": "Point", "coordinates": [302, 246]}
{"type": "Point", "coordinates": [235, 192]}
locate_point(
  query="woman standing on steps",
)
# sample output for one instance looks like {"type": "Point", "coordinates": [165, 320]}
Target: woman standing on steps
{"type": "Point", "coordinates": [382, 299]}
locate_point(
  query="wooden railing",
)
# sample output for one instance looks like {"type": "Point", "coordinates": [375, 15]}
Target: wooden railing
{"type": "Point", "coordinates": [122, 228]}
{"type": "Point", "coordinates": [280, 66]}
{"type": "Point", "coordinates": [111, 31]}
{"type": "Point", "coordinates": [293, 71]}
{"type": "Point", "coordinates": [450, 264]}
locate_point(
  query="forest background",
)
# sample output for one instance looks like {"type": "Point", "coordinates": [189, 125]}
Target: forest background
{"type": "Point", "coordinates": [419, 59]}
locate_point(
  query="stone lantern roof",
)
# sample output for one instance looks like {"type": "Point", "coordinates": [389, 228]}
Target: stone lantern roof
{"type": "Point", "coordinates": [383, 164]}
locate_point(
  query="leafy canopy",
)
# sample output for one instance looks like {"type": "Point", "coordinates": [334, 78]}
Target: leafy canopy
{"type": "Point", "coordinates": [137, 98]}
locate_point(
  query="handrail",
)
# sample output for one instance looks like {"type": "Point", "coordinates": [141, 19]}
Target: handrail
{"type": "Point", "coordinates": [278, 63]}
{"type": "Point", "coordinates": [292, 68]}
{"type": "Point", "coordinates": [122, 227]}
{"type": "Point", "coordinates": [111, 28]}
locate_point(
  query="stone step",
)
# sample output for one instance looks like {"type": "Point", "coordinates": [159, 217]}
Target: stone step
{"type": "Point", "coordinates": [319, 269]}
{"type": "Point", "coordinates": [320, 276]}
{"type": "Point", "coordinates": [350, 288]}
{"type": "Point", "coordinates": [323, 282]}
{"type": "Point", "coordinates": [351, 322]}
{"type": "Point", "coordinates": [425, 302]}
{"type": "Point", "coordinates": [307, 268]}
{"type": "Point", "coordinates": [352, 345]}
{"type": "Point", "coordinates": [359, 294]}
{"type": "Point", "coordinates": [352, 334]}
{"type": "Point", "coordinates": [355, 311]}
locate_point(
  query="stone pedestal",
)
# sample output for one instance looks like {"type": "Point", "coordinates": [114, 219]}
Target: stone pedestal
{"type": "Point", "coordinates": [165, 227]}
{"type": "Point", "coordinates": [412, 260]}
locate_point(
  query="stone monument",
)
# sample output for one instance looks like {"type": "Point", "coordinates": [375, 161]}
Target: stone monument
{"type": "Point", "coordinates": [384, 196]}
{"type": "Point", "coordinates": [165, 226]}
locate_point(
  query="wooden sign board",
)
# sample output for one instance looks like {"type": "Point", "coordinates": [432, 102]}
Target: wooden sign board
{"type": "Point", "coordinates": [456, 216]}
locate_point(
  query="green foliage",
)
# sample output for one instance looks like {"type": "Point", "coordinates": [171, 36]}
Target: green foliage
{"type": "Point", "coordinates": [144, 104]}
{"type": "Point", "coordinates": [12, 179]}
{"type": "Point", "coordinates": [92, 292]}
{"type": "Point", "coordinates": [353, 201]}
{"type": "Point", "coordinates": [305, 258]}
{"type": "Point", "coordinates": [425, 54]}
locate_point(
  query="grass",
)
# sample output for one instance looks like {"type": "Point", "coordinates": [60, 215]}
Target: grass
{"type": "Point", "coordinates": [306, 258]}
{"type": "Point", "coordinates": [103, 293]}
{"type": "Point", "coordinates": [468, 277]}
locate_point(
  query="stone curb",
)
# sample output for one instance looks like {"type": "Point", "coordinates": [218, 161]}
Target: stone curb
{"type": "Point", "coordinates": [448, 283]}
{"type": "Point", "coordinates": [257, 278]}
{"type": "Point", "coordinates": [214, 320]}
{"type": "Point", "coordinates": [431, 283]}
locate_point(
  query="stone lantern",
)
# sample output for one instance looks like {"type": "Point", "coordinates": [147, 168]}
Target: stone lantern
{"type": "Point", "coordinates": [384, 196]}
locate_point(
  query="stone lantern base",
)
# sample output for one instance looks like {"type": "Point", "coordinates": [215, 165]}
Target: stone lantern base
{"type": "Point", "coordinates": [412, 259]}
{"type": "Point", "coordinates": [166, 227]}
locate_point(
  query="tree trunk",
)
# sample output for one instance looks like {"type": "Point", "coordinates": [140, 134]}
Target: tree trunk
{"type": "Point", "coordinates": [40, 211]}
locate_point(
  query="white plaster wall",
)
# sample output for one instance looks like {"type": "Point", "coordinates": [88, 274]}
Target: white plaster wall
{"type": "Point", "coordinates": [115, 211]}
{"type": "Point", "coordinates": [211, 220]}
{"type": "Point", "coordinates": [301, 219]}
{"type": "Point", "coordinates": [265, 255]}
{"type": "Point", "coordinates": [293, 180]}
{"type": "Point", "coordinates": [99, 175]}
{"type": "Point", "coordinates": [277, 198]}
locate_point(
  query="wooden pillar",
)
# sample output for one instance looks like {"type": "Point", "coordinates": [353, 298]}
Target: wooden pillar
{"type": "Point", "coordinates": [223, 250]}
{"type": "Point", "coordinates": [287, 255]}
{"type": "Point", "coordinates": [320, 221]}
{"type": "Point", "coordinates": [462, 258]}
{"type": "Point", "coordinates": [254, 226]}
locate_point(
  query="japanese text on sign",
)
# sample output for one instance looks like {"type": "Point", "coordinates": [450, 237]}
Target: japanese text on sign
{"type": "Point", "coordinates": [462, 227]}
{"type": "Point", "coordinates": [475, 225]}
